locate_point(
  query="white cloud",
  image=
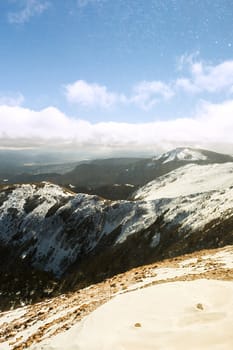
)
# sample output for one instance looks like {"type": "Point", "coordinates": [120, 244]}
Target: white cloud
{"type": "Point", "coordinates": [205, 77]}
{"type": "Point", "coordinates": [148, 93]}
{"type": "Point", "coordinates": [145, 94]}
{"type": "Point", "coordinates": [15, 99]}
{"type": "Point", "coordinates": [91, 94]}
{"type": "Point", "coordinates": [30, 9]}
{"type": "Point", "coordinates": [200, 77]}
{"type": "Point", "coordinates": [212, 126]}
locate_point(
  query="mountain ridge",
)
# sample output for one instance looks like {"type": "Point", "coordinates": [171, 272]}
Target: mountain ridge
{"type": "Point", "coordinates": [73, 237]}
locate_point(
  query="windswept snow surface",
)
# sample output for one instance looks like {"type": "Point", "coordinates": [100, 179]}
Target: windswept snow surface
{"type": "Point", "coordinates": [37, 325]}
{"type": "Point", "coordinates": [188, 180]}
{"type": "Point", "coordinates": [178, 315]}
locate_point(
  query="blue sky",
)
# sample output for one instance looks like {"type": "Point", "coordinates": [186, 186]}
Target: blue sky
{"type": "Point", "coordinates": [111, 64]}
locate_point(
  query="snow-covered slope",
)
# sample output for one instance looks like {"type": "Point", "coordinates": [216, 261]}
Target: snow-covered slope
{"type": "Point", "coordinates": [179, 315]}
{"type": "Point", "coordinates": [179, 307]}
{"type": "Point", "coordinates": [187, 180]}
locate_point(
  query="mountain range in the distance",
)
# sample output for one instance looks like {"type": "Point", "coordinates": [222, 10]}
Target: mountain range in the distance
{"type": "Point", "coordinates": [112, 178]}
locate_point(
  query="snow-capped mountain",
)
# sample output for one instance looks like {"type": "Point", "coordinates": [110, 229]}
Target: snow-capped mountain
{"type": "Point", "coordinates": [193, 155]}
{"type": "Point", "coordinates": [183, 154]}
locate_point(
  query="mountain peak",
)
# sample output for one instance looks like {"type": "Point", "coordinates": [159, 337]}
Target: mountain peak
{"type": "Point", "coordinates": [182, 154]}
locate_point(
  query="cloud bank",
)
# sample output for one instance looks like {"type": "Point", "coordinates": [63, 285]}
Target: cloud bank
{"type": "Point", "coordinates": [211, 127]}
